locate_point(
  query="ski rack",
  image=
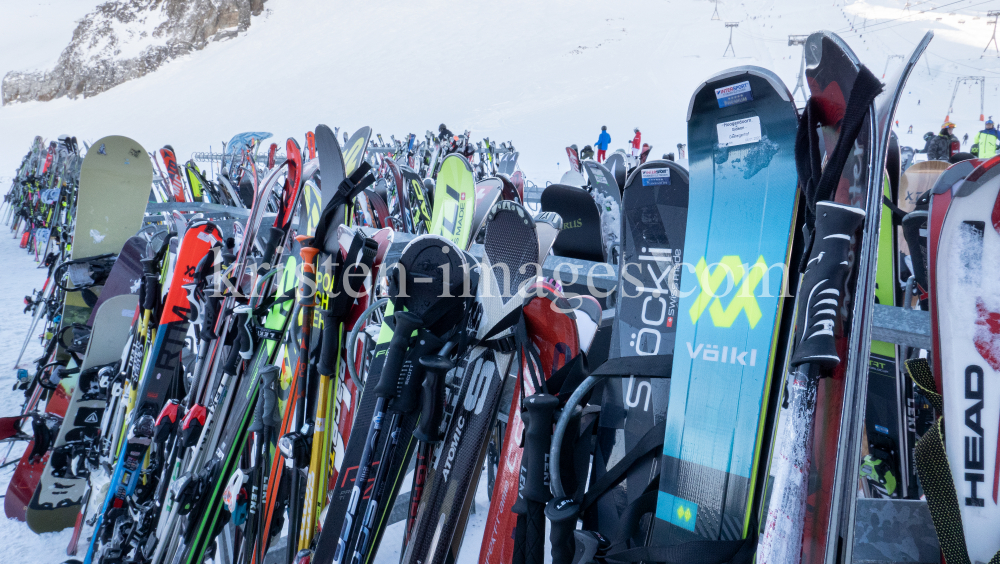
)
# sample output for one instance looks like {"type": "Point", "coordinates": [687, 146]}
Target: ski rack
{"type": "Point", "coordinates": [896, 325]}
{"type": "Point", "coordinates": [213, 157]}
{"type": "Point", "coordinates": [885, 530]}
{"type": "Point", "coordinates": [908, 327]}
{"type": "Point", "coordinates": [894, 531]}
{"type": "Point", "coordinates": [210, 157]}
{"type": "Point", "coordinates": [569, 272]}
{"type": "Point", "coordinates": [153, 210]}
{"type": "Point", "coordinates": [223, 216]}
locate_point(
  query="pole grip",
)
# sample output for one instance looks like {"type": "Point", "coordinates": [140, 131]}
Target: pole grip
{"type": "Point", "coordinates": [432, 399]}
{"type": "Point", "coordinates": [406, 324]}
{"type": "Point", "coordinates": [823, 290]}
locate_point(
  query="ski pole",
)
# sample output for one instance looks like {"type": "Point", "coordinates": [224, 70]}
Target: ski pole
{"type": "Point", "coordinates": [266, 419]}
{"type": "Point", "coordinates": [307, 301]}
{"type": "Point", "coordinates": [406, 324]}
{"type": "Point", "coordinates": [315, 486]}
{"type": "Point", "coordinates": [532, 493]}
{"type": "Point", "coordinates": [403, 404]}
{"type": "Point", "coordinates": [428, 430]}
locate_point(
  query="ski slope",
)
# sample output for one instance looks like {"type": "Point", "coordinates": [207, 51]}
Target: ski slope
{"type": "Point", "coordinates": [542, 74]}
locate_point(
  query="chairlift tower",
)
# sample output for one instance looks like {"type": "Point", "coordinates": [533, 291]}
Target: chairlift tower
{"type": "Point", "coordinates": [715, 14]}
{"type": "Point", "coordinates": [800, 84]}
{"type": "Point", "coordinates": [888, 61]}
{"type": "Point", "coordinates": [982, 94]}
{"type": "Point", "coordinates": [995, 14]}
{"type": "Point", "coordinates": [729, 47]}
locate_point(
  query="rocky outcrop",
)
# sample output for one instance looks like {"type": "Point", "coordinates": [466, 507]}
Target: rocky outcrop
{"type": "Point", "coordinates": [126, 39]}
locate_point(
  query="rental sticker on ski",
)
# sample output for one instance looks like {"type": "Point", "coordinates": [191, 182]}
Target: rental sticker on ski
{"type": "Point", "coordinates": [600, 176]}
{"type": "Point", "coordinates": [733, 94]}
{"type": "Point", "coordinates": [655, 176]}
{"type": "Point", "coordinates": [739, 132]}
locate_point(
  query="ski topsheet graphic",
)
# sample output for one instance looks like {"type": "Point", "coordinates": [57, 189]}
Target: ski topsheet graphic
{"type": "Point", "coordinates": [740, 219]}
{"type": "Point", "coordinates": [654, 216]}
{"type": "Point", "coordinates": [965, 282]}
{"type": "Point", "coordinates": [116, 174]}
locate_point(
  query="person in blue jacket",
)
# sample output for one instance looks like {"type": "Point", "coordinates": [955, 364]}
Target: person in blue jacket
{"type": "Point", "coordinates": [602, 143]}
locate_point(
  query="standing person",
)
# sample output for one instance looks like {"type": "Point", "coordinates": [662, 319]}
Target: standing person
{"type": "Point", "coordinates": [636, 143]}
{"type": "Point", "coordinates": [603, 140]}
{"type": "Point", "coordinates": [984, 144]}
{"type": "Point", "coordinates": [444, 134]}
{"type": "Point", "coordinates": [939, 147]}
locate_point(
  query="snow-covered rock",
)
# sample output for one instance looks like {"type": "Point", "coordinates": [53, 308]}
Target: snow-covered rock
{"type": "Point", "coordinates": [126, 39]}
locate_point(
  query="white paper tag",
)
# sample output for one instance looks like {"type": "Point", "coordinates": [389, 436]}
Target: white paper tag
{"type": "Point", "coordinates": [739, 132]}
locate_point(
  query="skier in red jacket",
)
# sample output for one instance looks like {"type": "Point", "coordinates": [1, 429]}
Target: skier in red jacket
{"type": "Point", "coordinates": [636, 143]}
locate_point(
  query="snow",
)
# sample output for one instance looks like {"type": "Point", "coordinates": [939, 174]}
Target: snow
{"type": "Point", "coordinates": [542, 74]}
{"type": "Point", "coordinates": [32, 35]}
{"type": "Point", "coordinates": [20, 544]}
{"type": "Point", "coordinates": [130, 39]}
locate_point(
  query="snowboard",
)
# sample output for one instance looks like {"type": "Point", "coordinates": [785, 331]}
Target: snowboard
{"type": "Point", "coordinates": [114, 188]}
{"type": "Point", "coordinates": [125, 276]}
{"type": "Point", "coordinates": [968, 301]}
{"type": "Point", "coordinates": [637, 386]}
{"type": "Point", "coordinates": [616, 164]}
{"type": "Point", "coordinates": [59, 495]}
{"type": "Point", "coordinates": [115, 175]}
{"type": "Point", "coordinates": [580, 237]}
{"type": "Point", "coordinates": [740, 220]}
{"type": "Point", "coordinates": [609, 201]}
{"type": "Point", "coordinates": [56, 499]}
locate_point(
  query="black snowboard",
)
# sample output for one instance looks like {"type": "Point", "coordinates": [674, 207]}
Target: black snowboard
{"type": "Point", "coordinates": [616, 164]}
{"type": "Point", "coordinates": [580, 237]}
